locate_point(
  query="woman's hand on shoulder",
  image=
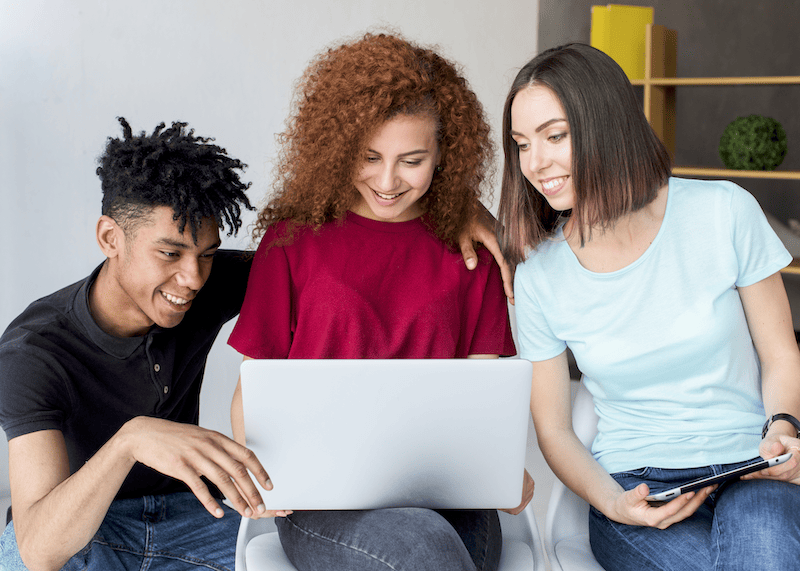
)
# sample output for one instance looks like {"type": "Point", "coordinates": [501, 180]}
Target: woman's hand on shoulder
{"type": "Point", "coordinates": [775, 445]}
{"type": "Point", "coordinates": [632, 508]}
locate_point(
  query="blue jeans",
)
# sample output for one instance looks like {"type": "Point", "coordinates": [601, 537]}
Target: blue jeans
{"type": "Point", "coordinates": [399, 538]}
{"type": "Point", "coordinates": [171, 533]}
{"type": "Point", "coordinates": [752, 525]}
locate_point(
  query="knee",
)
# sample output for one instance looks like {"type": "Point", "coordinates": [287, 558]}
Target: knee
{"type": "Point", "coordinates": [401, 539]}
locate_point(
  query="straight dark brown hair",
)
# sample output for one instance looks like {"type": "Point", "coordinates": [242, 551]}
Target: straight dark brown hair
{"type": "Point", "coordinates": [618, 162]}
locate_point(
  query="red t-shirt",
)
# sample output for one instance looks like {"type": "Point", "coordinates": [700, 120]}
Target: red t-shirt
{"type": "Point", "coordinates": [361, 288]}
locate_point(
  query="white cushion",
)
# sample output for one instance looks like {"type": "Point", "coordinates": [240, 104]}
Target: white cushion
{"type": "Point", "coordinates": [264, 553]}
{"type": "Point", "coordinates": [574, 554]}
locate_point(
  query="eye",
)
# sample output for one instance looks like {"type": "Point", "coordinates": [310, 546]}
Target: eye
{"type": "Point", "coordinates": [372, 159]}
{"type": "Point", "coordinates": [170, 254]}
{"type": "Point", "coordinates": [558, 137]}
{"type": "Point", "coordinates": [523, 146]}
{"type": "Point", "coordinates": [412, 162]}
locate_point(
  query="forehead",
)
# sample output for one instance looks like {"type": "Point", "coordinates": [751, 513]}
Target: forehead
{"type": "Point", "coordinates": [160, 225]}
{"type": "Point", "coordinates": [534, 106]}
{"type": "Point", "coordinates": [404, 133]}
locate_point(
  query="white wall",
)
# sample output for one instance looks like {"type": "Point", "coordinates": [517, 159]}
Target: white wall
{"type": "Point", "coordinates": [69, 67]}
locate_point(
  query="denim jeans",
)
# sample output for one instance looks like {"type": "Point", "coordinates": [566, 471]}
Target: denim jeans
{"type": "Point", "coordinates": [752, 525]}
{"type": "Point", "coordinates": [399, 538]}
{"type": "Point", "coordinates": [170, 533]}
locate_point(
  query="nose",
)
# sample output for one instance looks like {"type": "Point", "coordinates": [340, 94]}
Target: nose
{"type": "Point", "coordinates": [537, 158]}
{"type": "Point", "coordinates": [192, 274]}
{"type": "Point", "coordinates": [387, 179]}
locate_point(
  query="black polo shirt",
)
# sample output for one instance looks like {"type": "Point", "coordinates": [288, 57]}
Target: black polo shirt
{"type": "Point", "coordinates": [59, 370]}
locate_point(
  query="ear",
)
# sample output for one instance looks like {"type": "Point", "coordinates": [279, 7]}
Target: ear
{"type": "Point", "coordinates": [110, 237]}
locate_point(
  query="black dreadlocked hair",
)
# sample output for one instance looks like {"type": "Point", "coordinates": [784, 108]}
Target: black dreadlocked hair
{"type": "Point", "coordinates": [171, 168]}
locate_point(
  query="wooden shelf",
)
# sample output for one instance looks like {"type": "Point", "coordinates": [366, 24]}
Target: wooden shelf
{"type": "Point", "coordinates": [681, 81]}
{"type": "Point", "coordinates": [792, 268]}
{"type": "Point", "coordinates": [660, 81]}
{"type": "Point", "coordinates": [728, 173]}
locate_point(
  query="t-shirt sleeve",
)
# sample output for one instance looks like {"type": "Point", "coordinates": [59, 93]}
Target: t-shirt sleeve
{"type": "Point", "coordinates": [536, 339]}
{"type": "Point", "coordinates": [759, 251]}
{"type": "Point", "coordinates": [264, 327]}
{"type": "Point", "coordinates": [492, 333]}
{"type": "Point", "coordinates": [30, 393]}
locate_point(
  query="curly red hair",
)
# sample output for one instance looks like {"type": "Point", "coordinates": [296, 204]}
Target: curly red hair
{"type": "Point", "coordinates": [345, 95]}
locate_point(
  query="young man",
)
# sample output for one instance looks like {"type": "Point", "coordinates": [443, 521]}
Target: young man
{"type": "Point", "coordinates": [100, 382]}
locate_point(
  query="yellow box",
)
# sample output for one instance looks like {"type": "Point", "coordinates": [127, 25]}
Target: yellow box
{"type": "Point", "coordinates": [619, 31]}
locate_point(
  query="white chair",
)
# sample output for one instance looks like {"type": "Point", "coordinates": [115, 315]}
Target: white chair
{"type": "Point", "coordinates": [259, 549]}
{"type": "Point", "coordinates": [566, 535]}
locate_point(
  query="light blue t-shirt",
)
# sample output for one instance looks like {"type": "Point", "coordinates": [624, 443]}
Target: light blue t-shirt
{"type": "Point", "coordinates": [663, 343]}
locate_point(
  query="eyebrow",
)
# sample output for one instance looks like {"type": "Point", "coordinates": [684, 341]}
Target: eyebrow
{"type": "Point", "coordinates": [540, 128]}
{"type": "Point", "coordinates": [183, 245]}
{"type": "Point", "coordinates": [417, 152]}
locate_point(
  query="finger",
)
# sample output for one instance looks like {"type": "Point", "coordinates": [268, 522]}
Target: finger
{"type": "Point", "coordinates": [468, 252]}
{"type": "Point", "coordinates": [242, 462]}
{"type": "Point", "coordinates": [505, 270]}
{"type": "Point", "coordinates": [683, 506]}
{"type": "Point", "coordinates": [202, 493]}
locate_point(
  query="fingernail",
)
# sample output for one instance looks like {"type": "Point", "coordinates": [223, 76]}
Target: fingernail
{"type": "Point", "coordinates": [248, 512]}
{"type": "Point", "coordinates": [261, 508]}
{"type": "Point", "coordinates": [219, 513]}
{"type": "Point", "coordinates": [268, 484]}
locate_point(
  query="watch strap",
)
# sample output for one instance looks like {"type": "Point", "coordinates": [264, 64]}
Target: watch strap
{"type": "Point", "coordinates": [781, 416]}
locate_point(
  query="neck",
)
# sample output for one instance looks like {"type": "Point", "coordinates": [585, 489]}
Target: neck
{"type": "Point", "coordinates": [107, 309]}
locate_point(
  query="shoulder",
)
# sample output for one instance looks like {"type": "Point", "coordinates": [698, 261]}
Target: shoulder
{"type": "Point", "coordinates": [48, 313]}
{"type": "Point", "coordinates": [693, 191]}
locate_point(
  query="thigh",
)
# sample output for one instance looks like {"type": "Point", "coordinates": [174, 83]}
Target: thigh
{"type": "Point", "coordinates": [398, 538]}
{"type": "Point", "coordinates": [683, 546]}
{"type": "Point", "coordinates": [756, 525]}
{"type": "Point", "coordinates": [187, 537]}
{"type": "Point", "coordinates": [480, 532]}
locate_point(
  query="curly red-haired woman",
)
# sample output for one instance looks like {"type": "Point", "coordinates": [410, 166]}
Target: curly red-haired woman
{"type": "Point", "coordinates": [380, 174]}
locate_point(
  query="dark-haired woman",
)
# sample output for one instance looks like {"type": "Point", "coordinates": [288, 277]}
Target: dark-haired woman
{"type": "Point", "coordinates": [667, 291]}
{"type": "Point", "coordinates": [382, 164]}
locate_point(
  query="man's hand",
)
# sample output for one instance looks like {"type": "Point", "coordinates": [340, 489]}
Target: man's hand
{"type": "Point", "coordinates": [186, 452]}
{"type": "Point", "coordinates": [482, 229]}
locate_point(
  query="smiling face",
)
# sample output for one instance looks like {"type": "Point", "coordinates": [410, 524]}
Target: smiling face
{"type": "Point", "coordinates": [152, 274]}
{"type": "Point", "coordinates": [540, 128]}
{"type": "Point", "coordinates": [397, 169]}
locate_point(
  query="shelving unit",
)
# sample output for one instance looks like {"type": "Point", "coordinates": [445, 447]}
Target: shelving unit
{"type": "Point", "coordinates": [659, 83]}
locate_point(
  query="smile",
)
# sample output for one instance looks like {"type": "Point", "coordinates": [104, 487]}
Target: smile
{"type": "Point", "coordinates": [388, 196]}
{"type": "Point", "coordinates": [553, 183]}
{"type": "Point", "coordinates": [174, 299]}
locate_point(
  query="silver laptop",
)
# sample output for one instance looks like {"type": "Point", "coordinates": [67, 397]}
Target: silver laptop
{"type": "Point", "coordinates": [370, 433]}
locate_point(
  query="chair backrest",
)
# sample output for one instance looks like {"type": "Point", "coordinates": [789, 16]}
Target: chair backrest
{"type": "Point", "coordinates": [516, 528]}
{"type": "Point", "coordinates": [567, 513]}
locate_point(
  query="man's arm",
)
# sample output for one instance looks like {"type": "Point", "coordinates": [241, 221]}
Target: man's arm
{"type": "Point", "coordinates": [56, 515]}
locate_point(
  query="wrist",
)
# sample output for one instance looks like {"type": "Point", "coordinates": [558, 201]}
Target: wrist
{"type": "Point", "coordinates": [782, 423]}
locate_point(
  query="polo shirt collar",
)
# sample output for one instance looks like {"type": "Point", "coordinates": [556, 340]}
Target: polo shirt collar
{"type": "Point", "coordinates": [119, 347]}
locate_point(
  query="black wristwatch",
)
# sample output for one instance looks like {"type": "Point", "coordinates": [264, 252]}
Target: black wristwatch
{"type": "Point", "coordinates": [781, 416]}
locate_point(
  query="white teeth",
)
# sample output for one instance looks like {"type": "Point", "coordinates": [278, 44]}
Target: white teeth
{"type": "Point", "coordinates": [387, 196]}
{"type": "Point", "coordinates": [174, 299]}
{"type": "Point", "coordinates": [553, 183]}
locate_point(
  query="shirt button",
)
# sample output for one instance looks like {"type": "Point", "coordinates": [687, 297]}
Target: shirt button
{"type": "Point", "coordinates": [157, 367]}
{"type": "Point", "coordinates": [166, 390]}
